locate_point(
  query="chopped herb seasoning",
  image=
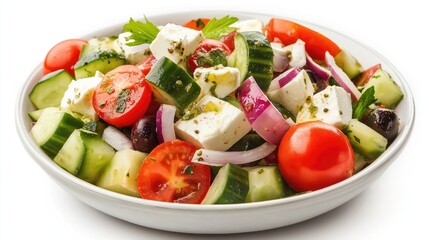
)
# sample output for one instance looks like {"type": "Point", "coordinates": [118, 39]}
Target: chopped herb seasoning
{"type": "Point", "coordinates": [325, 95]}
{"type": "Point", "coordinates": [261, 171]}
{"type": "Point", "coordinates": [90, 126]}
{"type": "Point", "coordinates": [188, 170]}
{"type": "Point", "coordinates": [200, 23]}
{"type": "Point", "coordinates": [122, 100]}
{"type": "Point", "coordinates": [179, 82]}
{"type": "Point", "coordinates": [197, 131]}
{"type": "Point", "coordinates": [325, 110]}
{"type": "Point", "coordinates": [313, 110]}
{"type": "Point", "coordinates": [109, 90]}
{"type": "Point", "coordinates": [356, 139]}
{"type": "Point", "coordinates": [128, 174]}
{"type": "Point", "coordinates": [199, 153]}
{"type": "Point", "coordinates": [153, 159]}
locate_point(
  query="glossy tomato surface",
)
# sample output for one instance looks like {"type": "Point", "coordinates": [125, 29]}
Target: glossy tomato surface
{"type": "Point", "coordinates": [168, 174]}
{"type": "Point", "coordinates": [63, 55]}
{"type": "Point", "coordinates": [122, 97]}
{"type": "Point", "coordinates": [314, 155]}
{"type": "Point", "coordinates": [197, 24]}
{"type": "Point", "coordinates": [209, 53]}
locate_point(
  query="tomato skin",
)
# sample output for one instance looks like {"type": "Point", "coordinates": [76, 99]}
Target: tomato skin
{"type": "Point", "coordinates": [147, 64]}
{"type": "Point", "coordinates": [228, 40]}
{"type": "Point", "coordinates": [314, 155]}
{"type": "Point", "coordinates": [137, 94]}
{"type": "Point", "coordinates": [366, 75]}
{"type": "Point", "coordinates": [63, 55]}
{"type": "Point", "coordinates": [168, 174]}
{"type": "Point", "coordinates": [197, 24]}
{"type": "Point", "coordinates": [289, 32]}
{"type": "Point", "coordinates": [202, 54]}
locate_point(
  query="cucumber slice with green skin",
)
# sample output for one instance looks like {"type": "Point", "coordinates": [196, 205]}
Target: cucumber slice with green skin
{"type": "Point", "coordinates": [102, 61]}
{"type": "Point", "coordinates": [71, 155]}
{"type": "Point", "coordinates": [99, 44]}
{"type": "Point", "coordinates": [230, 185]}
{"type": "Point", "coordinates": [172, 85]}
{"type": "Point", "coordinates": [349, 64]}
{"type": "Point", "coordinates": [98, 155]}
{"type": "Point", "coordinates": [266, 183]}
{"type": "Point", "coordinates": [387, 92]}
{"type": "Point", "coordinates": [365, 140]}
{"type": "Point", "coordinates": [253, 56]}
{"type": "Point", "coordinates": [121, 174]}
{"type": "Point", "coordinates": [49, 91]}
{"type": "Point", "coordinates": [52, 130]}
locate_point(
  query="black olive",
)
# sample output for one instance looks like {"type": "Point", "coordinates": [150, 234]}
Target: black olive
{"type": "Point", "coordinates": [143, 134]}
{"type": "Point", "coordinates": [384, 121]}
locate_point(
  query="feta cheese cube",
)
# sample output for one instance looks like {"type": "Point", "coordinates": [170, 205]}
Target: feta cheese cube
{"type": "Point", "coordinates": [133, 54]}
{"type": "Point", "coordinates": [249, 25]}
{"type": "Point", "coordinates": [217, 126]}
{"type": "Point", "coordinates": [176, 43]}
{"type": "Point", "coordinates": [297, 54]}
{"type": "Point", "coordinates": [333, 105]}
{"type": "Point", "coordinates": [293, 95]}
{"type": "Point", "coordinates": [218, 81]}
{"type": "Point", "coordinates": [78, 96]}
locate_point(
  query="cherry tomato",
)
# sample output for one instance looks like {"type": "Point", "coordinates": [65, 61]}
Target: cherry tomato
{"type": "Point", "coordinates": [208, 53]}
{"type": "Point", "coordinates": [197, 24]}
{"type": "Point", "coordinates": [147, 64]}
{"type": "Point", "coordinates": [314, 155]}
{"type": "Point", "coordinates": [228, 40]}
{"type": "Point", "coordinates": [64, 55]}
{"type": "Point", "coordinates": [122, 97]}
{"type": "Point", "coordinates": [168, 174]}
{"type": "Point", "coordinates": [289, 32]}
{"type": "Point", "coordinates": [366, 75]}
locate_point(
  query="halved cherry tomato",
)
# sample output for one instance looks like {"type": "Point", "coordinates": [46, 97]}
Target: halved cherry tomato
{"type": "Point", "coordinates": [168, 174]}
{"type": "Point", "coordinates": [228, 40]}
{"type": "Point", "coordinates": [122, 97]}
{"type": "Point", "coordinates": [147, 64]}
{"type": "Point", "coordinates": [64, 55]}
{"type": "Point", "coordinates": [289, 32]}
{"type": "Point", "coordinates": [197, 24]}
{"type": "Point", "coordinates": [314, 155]}
{"type": "Point", "coordinates": [366, 75]}
{"type": "Point", "coordinates": [208, 53]}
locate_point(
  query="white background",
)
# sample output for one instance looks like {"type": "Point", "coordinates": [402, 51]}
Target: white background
{"type": "Point", "coordinates": [33, 206]}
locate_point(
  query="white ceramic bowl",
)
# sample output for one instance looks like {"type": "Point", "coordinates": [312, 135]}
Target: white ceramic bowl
{"type": "Point", "coordinates": [219, 219]}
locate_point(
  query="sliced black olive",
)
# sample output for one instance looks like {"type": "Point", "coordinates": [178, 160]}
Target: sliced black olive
{"type": "Point", "coordinates": [384, 121]}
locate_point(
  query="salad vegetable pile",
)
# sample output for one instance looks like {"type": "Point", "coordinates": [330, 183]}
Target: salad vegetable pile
{"type": "Point", "coordinates": [214, 111]}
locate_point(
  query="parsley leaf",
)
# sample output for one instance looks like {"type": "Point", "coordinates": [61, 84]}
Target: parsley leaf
{"type": "Point", "coordinates": [141, 32]}
{"type": "Point", "coordinates": [361, 107]}
{"type": "Point", "coordinates": [216, 28]}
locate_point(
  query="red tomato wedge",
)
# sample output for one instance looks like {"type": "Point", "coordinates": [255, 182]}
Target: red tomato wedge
{"type": "Point", "coordinates": [147, 64]}
{"type": "Point", "coordinates": [366, 75]}
{"type": "Point", "coordinates": [289, 32]}
{"type": "Point", "coordinates": [314, 155]}
{"type": "Point", "coordinates": [197, 24]}
{"type": "Point", "coordinates": [168, 174]}
{"type": "Point", "coordinates": [64, 55]}
{"type": "Point", "coordinates": [209, 53]}
{"type": "Point", "coordinates": [122, 97]}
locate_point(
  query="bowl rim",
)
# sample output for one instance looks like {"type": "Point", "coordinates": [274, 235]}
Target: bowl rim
{"type": "Point", "coordinates": [48, 165]}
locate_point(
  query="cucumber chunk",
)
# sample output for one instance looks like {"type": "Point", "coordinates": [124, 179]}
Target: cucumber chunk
{"type": "Point", "coordinates": [35, 115]}
{"type": "Point", "coordinates": [49, 91]}
{"type": "Point", "coordinates": [172, 85]}
{"type": "Point", "coordinates": [121, 174]}
{"type": "Point", "coordinates": [387, 92]}
{"type": "Point", "coordinates": [52, 130]}
{"type": "Point", "coordinates": [253, 56]}
{"type": "Point", "coordinates": [100, 44]}
{"type": "Point", "coordinates": [349, 64]}
{"type": "Point", "coordinates": [98, 155]}
{"type": "Point", "coordinates": [365, 140]}
{"type": "Point", "coordinates": [102, 61]}
{"type": "Point", "coordinates": [230, 185]}
{"type": "Point", "coordinates": [266, 183]}
{"type": "Point", "coordinates": [71, 155]}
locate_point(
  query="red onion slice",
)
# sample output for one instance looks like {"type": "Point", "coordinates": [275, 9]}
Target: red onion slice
{"type": "Point", "coordinates": [117, 139]}
{"type": "Point", "coordinates": [322, 72]}
{"type": "Point", "coordinates": [264, 118]}
{"type": "Point", "coordinates": [341, 77]}
{"type": "Point", "coordinates": [283, 79]}
{"type": "Point", "coordinates": [165, 123]}
{"type": "Point", "coordinates": [218, 158]}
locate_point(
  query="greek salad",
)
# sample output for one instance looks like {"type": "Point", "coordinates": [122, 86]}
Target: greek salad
{"type": "Point", "coordinates": [213, 111]}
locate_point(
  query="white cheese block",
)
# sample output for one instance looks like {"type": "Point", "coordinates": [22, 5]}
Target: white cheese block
{"type": "Point", "coordinates": [249, 25]}
{"type": "Point", "coordinates": [176, 43]}
{"type": "Point", "coordinates": [78, 96]}
{"type": "Point", "coordinates": [218, 81]}
{"type": "Point", "coordinates": [333, 105]}
{"type": "Point", "coordinates": [297, 54]}
{"type": "Point", "coordinates": [217, 126]}
{"type": "Point", "coordinates": [293, 95]}
{"type": "Point", "coordinates": [133, 54]}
